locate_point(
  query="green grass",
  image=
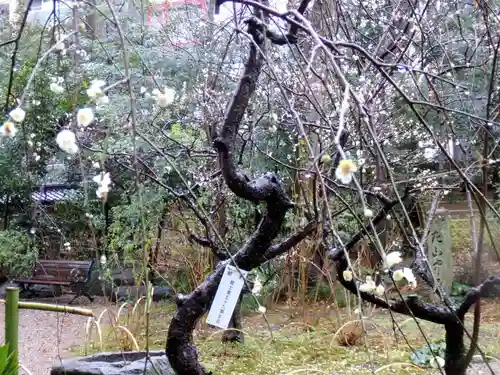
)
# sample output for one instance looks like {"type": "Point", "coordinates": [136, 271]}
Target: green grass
{"type": "Point", "coordinates": [303, 341]}
{"type": "Point", "coordinates": [461, 234]}
{"type": "Point", "coordinates": [306, 341]}
{"type": "Point", "coordinates": [266, 356]}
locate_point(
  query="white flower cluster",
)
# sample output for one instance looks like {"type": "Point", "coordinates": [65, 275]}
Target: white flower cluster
{"type": "Point", "coordinates": [60, 46]}
{"type": "Point", "coordinates": [103, 180]}
{"type": "Point", "coordinates": [368, 286]}
{"type": "Point", "coordinates": [66, 139]}
{"type": "Point", "coordinates": [55, 85]}
{"type": "Point", "coordinates": [165, 98]}
{"type": "Point", "coordinates": [8, 128]}
{"type": "Point", "coordinates": [273, 121]}
{"type": "Point", "coordinates": [390, 260]}
{"type": "Point", "coordinates": [394, 258]}
{"type": "Point", "coordinates": [257, 286]}
{"type": "Point", "coordinates": [345, 171]}
{"type": "Point", "coordinates": [95, 92]}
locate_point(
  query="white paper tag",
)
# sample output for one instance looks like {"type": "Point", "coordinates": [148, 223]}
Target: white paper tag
{"type": "Point", "coordinates": [226, 297]}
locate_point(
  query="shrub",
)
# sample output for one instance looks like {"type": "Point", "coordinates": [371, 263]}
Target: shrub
{"type": "Point", "coordinates": [17, 253]}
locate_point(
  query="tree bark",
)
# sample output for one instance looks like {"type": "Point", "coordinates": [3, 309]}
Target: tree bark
{"type": "Point", "coordinates": [236, 334]}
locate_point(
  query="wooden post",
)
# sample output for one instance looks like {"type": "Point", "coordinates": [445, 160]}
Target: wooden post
{"type": "Point", "coordinates": [12, 324]}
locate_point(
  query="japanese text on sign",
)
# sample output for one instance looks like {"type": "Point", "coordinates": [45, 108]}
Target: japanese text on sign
{"type": "Point", "coordinates": [226, 297]}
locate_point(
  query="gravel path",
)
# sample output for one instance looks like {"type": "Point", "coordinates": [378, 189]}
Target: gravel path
{"type": "Point", "coordinates": [46, 337]}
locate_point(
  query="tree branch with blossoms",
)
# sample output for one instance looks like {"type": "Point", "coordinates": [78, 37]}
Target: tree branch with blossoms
{"type": "Point", "coordinates": [268, 188]}
{"type": "Point", "coordinates": [451, 317]}
{"type": "Point", "coordinates": [385, 107]}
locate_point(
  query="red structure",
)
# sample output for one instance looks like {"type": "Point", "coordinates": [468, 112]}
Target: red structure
{"type": "Point", "coordinates": [163, 13]}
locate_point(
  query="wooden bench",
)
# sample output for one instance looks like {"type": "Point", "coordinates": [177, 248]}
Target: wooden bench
{"type": "Point", "coordinates": [71, 273]}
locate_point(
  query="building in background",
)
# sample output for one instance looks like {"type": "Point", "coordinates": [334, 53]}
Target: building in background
{"type": "Point", "coordinates": [179, 18]}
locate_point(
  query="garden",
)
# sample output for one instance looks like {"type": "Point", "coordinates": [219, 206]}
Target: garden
{"type": "Point", "coordinates": [249, 187]}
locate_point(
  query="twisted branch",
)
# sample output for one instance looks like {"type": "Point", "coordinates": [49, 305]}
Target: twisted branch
{"type": "Point", "coordinates": [180, 349]}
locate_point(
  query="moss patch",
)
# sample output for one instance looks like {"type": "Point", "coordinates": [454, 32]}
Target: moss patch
{"type": "Point", "coordinates": [461, 230]}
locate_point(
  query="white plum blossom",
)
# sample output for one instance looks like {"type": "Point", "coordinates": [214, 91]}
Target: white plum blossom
{"type": "Point", "coordinates": [262, 309]}
{"type": "Point", "coordinates": [430, 153]}
{"type": "Point", "coordinates": [56, 88]}
{"type": "Point", "coordinates": [392, 259]}
{"type": "Point", "coordinates": [84, 116]}
{"type": "Point", "coordinates": [17, 114]}
{"type": "Point", "coordinates": [347, 275]}
{"type": "Point", "coordinates": [326, 158]}
{"type": "Point", "coordinates": [379, 290]}
{"type": "Point", "coordinates": [345, 171]}
{"type": "Point", "coordinates": [8, 129]}
{"type": "Point", "coordinates": [102, 100]}
{"type": "Point", "coordinates": [257, 286]}
{"type": "Point", "coordinates": [96, 93]}
{"type": "Point", "coordinates": [398, 275]}
{"type": "Point", "coordinates": [405, 273]}
{"type": "Point", "coordinates": [103, 259]}
{"type": "Point", "coordinates": [102, 192]}
{"type": "Point", "coordinates": [93, 92]}
{"type": "Point", "coordinates": [368, 286]}
{"type": "Point", "coordinates": [66, 140]}
{"type": "Point", "coordinates": [368, 213]}
{"type": "Point", "coordinates": [437, 362]}
{"type": "Point", "coordinates": [410, 277]}
{"type": "Point", "coordinates": [59, 46]}
{"type": "Point", "coordinates": [103, 180]}
{"type": "Point", "coordinates": [165, 98]}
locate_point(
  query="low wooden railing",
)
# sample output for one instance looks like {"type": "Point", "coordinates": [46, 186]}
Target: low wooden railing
{"type": "Point", "coordinates": [12, 306]}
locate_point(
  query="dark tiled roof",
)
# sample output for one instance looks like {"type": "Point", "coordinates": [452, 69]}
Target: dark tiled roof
{"type": "Point", "coordinates": [56, 194]}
